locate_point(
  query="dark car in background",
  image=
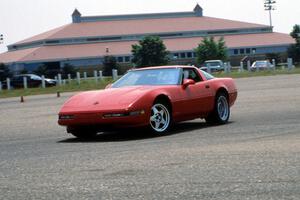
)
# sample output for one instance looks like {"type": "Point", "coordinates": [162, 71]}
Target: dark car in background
{"type": "Point", "coordinates": [32, 81]}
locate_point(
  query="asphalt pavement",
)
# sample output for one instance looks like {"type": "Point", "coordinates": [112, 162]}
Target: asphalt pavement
{"type": "Point", "coordinates": [255, 156]}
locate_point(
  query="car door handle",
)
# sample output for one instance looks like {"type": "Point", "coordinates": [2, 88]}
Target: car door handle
{"type": "Point", "coordinates": [207, 86]}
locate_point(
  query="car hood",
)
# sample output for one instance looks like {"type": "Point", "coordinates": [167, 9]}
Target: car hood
{"type": "Point", "coordinates": [105, 100]}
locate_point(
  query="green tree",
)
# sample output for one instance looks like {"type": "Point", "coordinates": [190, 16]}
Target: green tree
{"type": "Point", "coordinates": [275, 56]}
{"type": "Point", "coordinates": [48, 69]}
{"type": "Point", "coordinates": [4, 72]}
{"type": "Point", "coordinates": [294, 49]}
{"type": "Point", "coordinates": [295, 32]}
{"type": "Point", "coordinates": [294, 52]}
{"type": "Point", "coordinates": [41, 70]}
{"type": "Point", "coordinates": [109, 63]}
{"type": "Point", "coordinates": [24, 71]}
{"type": "Point", "coordinates": [68, 69]}
{"type": "Point", "coordinates": [150, 51]}
{"type": "Point", "coordinates": [209, 49]}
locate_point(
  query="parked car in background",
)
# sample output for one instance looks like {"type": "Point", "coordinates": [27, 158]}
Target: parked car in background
{"type": "Point", "coordinates": [261, 65]}
{"type": "Point", "coordinates": [214, 65]}
{"type": "Point", "coordinates": [32, 81]}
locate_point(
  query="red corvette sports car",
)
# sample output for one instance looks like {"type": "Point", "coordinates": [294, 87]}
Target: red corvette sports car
{"type": "Point", "coordinates": [153, 97]}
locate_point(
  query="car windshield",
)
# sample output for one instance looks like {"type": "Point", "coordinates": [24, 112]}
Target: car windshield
{"type": "Point", "coordinates": [35, 77]}
{"type": "Point", "coordinates": [213, 64]}
{"type": "Point", "coordinates": [260, 63]}
{"type": "Point", "coordinates": [169, 76]}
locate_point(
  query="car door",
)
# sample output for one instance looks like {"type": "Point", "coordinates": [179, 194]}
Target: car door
{"type": "Point", "coordinates": [197, 98]}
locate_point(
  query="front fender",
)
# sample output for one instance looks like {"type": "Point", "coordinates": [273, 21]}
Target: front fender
{"type": "Point", "coordinates": [147, 100]}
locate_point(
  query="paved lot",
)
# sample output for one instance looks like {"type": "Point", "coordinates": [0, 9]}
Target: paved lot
{"type": "Point", "coordinates": [255, 156]}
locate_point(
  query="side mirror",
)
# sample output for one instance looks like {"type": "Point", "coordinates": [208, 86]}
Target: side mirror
{"type": "Point", "coordinates": [108, 86]}
{"type": "Point", "coordinates": [187, 82]}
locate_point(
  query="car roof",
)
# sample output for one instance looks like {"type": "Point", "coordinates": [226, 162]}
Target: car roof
{"type": "Point", "coordinates": [213, 61]}
{"type": "Point", "coordinates": [164, 67]}
{"type": "Point", "coordinates": [25, 75]}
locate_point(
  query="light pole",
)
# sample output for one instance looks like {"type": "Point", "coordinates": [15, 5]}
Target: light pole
{"type": "Point", "coordinates": [269, 6]}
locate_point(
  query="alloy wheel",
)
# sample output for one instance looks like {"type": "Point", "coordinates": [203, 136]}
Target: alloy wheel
{"type": "Point", "coordinates": [160, 118]}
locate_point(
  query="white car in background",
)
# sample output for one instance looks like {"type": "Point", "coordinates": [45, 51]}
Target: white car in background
{"type": "Point", "coordinates": [214, 65]}
{"type": "Point", "coordinates": [261, 65]}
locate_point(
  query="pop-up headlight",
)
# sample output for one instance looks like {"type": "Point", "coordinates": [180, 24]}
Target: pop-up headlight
{"type": "Point", "coordinates": [127, 114]}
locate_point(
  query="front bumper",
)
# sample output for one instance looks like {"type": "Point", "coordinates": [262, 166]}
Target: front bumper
{"type": "Point", "coordinates": [101, 119]}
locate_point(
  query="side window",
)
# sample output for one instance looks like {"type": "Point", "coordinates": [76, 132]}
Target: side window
{"type": "Point", "coordinates": [191, 74]}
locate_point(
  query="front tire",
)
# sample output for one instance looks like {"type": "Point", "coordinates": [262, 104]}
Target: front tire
{"type": "Point", "coordinates": [221, 112]}
{"type": "Point", "coordinates": [161, 118]}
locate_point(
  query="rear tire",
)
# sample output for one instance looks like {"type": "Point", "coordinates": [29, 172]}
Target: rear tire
{"type": "Point", "coordinates": [160, 118]}
{"type": "Point", "coordinates": [221, 112]}
{"type": "Point", "coordinates": [82, 133]}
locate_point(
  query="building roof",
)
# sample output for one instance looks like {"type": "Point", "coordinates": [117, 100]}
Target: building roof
{"type": "Point", "coordinates": [76, 13]}
{"type": "Point", "coordinates": [140, 26]}
{"type": "Point", "coordinates": [79, 51]}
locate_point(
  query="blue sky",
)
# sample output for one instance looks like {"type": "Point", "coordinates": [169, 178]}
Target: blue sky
{"type": "Point", "coordinates": [22, 19]}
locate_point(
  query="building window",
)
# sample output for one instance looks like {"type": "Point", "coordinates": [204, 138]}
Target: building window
{"type": "Point", "coordinates": [92, 39]}
{"type": "Point", "coordinates": [194, 55]}
{"type": "Point", "coordinates": [222, 32]}
{"type": "Point", "coordinates": [120, 59]}
{"type": "Point", "coordinates": [182, 55]}
{"type": "Point", "coordinates": [248, 51]}
{"type": "Point", "coordinates": [236, 51]}
{"type": "Point", "coordinates": [127, 58]}
{"type": "Point", "coordinates": [253, 50]}
{"type": "Point", "coordinates": [175, 56]}
{"type": "Point", "coordinates": [52, 42]}
{"type": "Point", "coordinates": [189, 54]}
{"type": "Point", "coordinates": [242, 51]}
{"type": "Point", "coordinates": [111, 38]}
{"type": "Point", "coordinates": [78, 40]}
{"type": "Point", "coordinates": [170, 35]}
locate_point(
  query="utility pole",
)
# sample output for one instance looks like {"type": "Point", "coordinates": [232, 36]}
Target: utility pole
{"type": "Point", "coordinates": [269, 6]}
